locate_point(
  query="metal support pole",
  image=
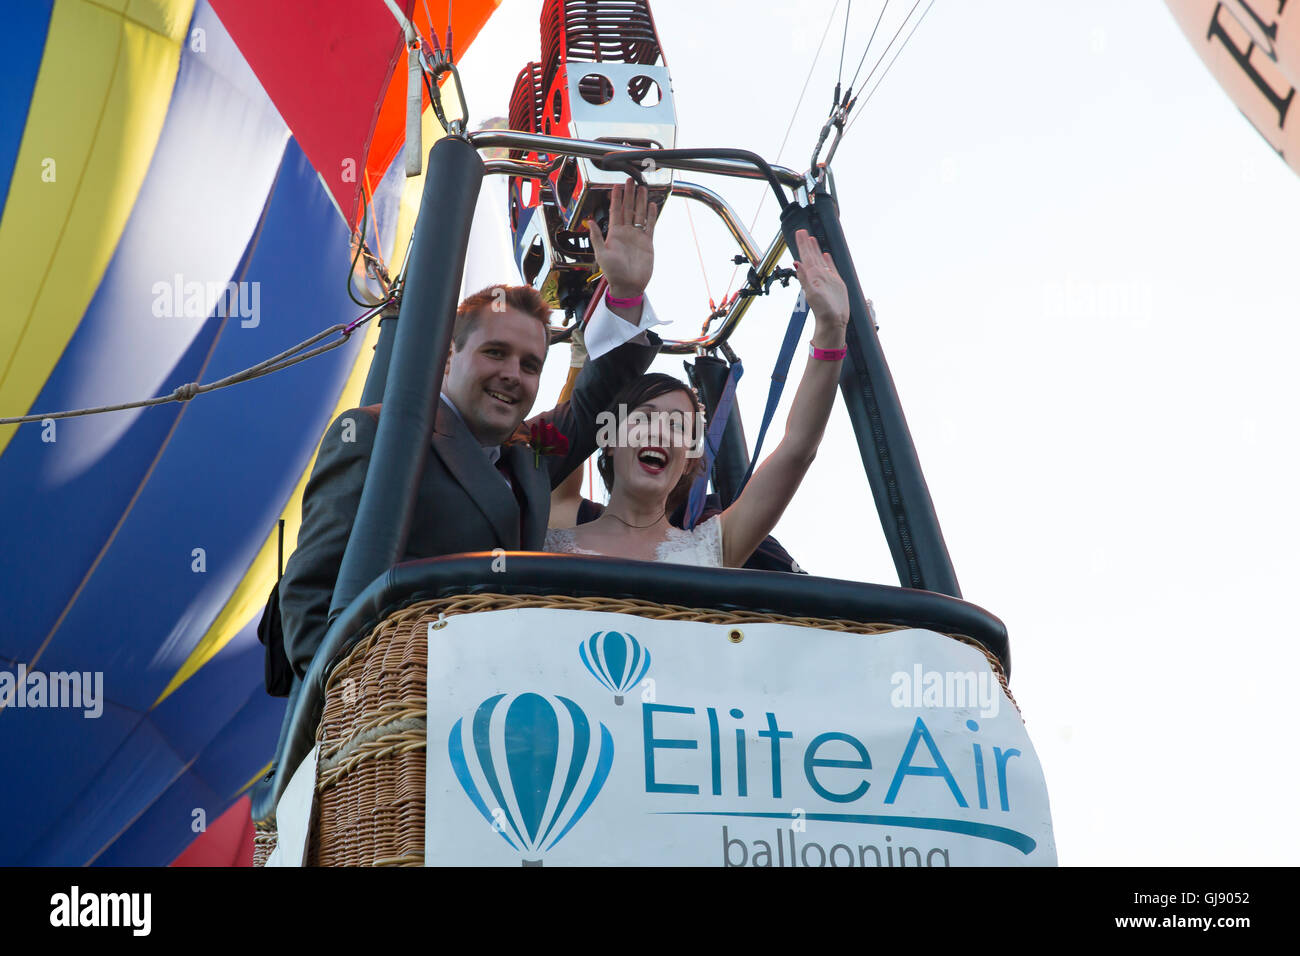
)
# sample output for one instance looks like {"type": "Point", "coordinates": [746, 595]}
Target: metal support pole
{"type": "Point", "coordinates": [377, 377]}
{"type": "Point", "coordinates": [437, 254]}
{"type": "Point", "coordinates": [884, 441]}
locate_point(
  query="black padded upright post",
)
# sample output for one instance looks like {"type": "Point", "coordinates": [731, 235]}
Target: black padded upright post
{"type": "Point", "coordinates": [423, 336]}
{"type": "Point", "coordinates": [732, 460]}
{"type": "Point", "coordinates": [884, 441]}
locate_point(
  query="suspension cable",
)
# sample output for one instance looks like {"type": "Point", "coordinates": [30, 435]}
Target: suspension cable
{"type": "Point", "coordinates": [842, 109]}
{"type": "Point", "coordinates": [794, 114]}
{"type": "Point", "coordinates": [885, 52]}
{"type": "Point", "coordinates": [854, 82]}
{"type": "Point", "coordinates": [844, 40]}
{"type": "Point", "coordinates": [858, 112]}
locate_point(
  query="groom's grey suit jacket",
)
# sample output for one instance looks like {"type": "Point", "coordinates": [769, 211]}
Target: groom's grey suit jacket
{"type": "Point", "coordinates": [464, 502]}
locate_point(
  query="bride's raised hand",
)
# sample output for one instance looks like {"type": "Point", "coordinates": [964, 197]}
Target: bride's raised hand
{"type": "Point", "coordinates": [824, 290]}
{"type": "Point", "coordinates": [755, 513]}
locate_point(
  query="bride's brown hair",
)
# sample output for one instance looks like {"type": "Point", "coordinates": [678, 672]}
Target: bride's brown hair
{"type": "Point", "coordinates": [646, 389]}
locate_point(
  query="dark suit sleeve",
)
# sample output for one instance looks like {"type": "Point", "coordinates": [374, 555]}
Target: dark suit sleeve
{"type": "Point", "coordinates": [329, 507]}
{"type": "Point", "coordinates": [597, 385]}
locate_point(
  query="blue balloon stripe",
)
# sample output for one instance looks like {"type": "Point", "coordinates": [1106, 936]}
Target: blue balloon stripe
{"type": "Point", "coordinates": [532, 737]}
{"type": "Point", "coordinates": [582, 652]}
{"type": "Point", "coordinates": [220, 770]}
{"type": "Point", "coordinates": [598, 657]}
{"type": "Point", "coordinates": [594, 661]}
{"type": "Point", "coordinates": [109, 799]}
{"type": "Point", "coordinates": [60, 754]}
{"type": "Point", "coordinates": [614, 651]}
{"type": "Point", "coordinates": [22, 48]}
{"type": "Point", "coordinates": [577, 760]}
{"type": "Point", "coordinates": [456, 750]}
{"type": "Point", "coordinates": [645, 666]}
{"type": "Point", "coordinates": [162, 831]}
{"type": "Point", "coordinates": [193, 725]}
{"type": "Point", "coordinates": [597, 781]}
{"type": "Point", "coordinates": [483, 747]}
{"type": "Point", "coordinates": [632, 665]}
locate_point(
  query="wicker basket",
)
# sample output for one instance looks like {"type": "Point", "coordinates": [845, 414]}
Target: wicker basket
{"type": "Point", "coordinates": [264, 840]}
{"type": "Point", "coordinates": [370, 780]}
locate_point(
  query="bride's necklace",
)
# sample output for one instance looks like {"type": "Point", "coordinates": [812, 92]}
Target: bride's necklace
{"type": "Point", "coordinates": [639, 526]}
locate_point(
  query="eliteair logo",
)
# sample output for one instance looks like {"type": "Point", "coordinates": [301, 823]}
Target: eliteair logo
{"type": "Point", "coordinates": [839, 772]}
{"type": "Point", "coordinates": [531, 765]}
{"type": "Point", "coordinates": [616, 660]}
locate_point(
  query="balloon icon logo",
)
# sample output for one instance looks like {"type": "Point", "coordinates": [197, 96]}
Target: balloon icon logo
{"type": "Point", "coordinates": [531, 765]}
{"type": "Point", "coordinates": [616, 660]}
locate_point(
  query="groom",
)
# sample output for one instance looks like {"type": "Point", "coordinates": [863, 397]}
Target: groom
{"type": "Point", "coordinates": [483, 485]}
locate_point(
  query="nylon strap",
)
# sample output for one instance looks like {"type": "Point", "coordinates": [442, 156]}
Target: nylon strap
{"type": "Point", "coordinates": [793, 333]}
{"type": "Point", "coordinates": [712, 440]}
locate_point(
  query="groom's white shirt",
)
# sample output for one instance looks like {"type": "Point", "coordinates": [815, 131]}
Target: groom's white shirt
{"type": "Point", "coordinates": [607, 331]}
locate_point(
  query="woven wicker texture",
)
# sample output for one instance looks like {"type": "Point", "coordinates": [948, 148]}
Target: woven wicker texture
{"type": "Point", "coordinates": [264, 840]}
{"type": "Point", "coordinates": [370, 778]}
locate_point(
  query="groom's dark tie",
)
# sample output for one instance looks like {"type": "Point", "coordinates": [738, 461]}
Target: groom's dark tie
{"type": "Point", "coordinates": [510, 480]}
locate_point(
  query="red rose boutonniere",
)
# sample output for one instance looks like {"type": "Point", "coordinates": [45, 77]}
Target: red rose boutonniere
{"type": "Point", "coordinates": [545, 439]}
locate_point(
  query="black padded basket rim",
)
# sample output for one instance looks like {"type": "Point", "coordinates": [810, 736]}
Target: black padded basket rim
{"type": "Point", "coordinates": [761, 592]}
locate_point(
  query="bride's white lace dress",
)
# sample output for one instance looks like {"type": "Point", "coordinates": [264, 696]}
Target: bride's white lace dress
{"type": "Point", "coordinates": [701, 546]}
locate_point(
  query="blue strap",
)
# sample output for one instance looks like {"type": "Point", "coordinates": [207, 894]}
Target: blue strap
{"type": "Point", "coordinates": [793, 333]}
{"type": "Point", "coordinates": [712, 440]}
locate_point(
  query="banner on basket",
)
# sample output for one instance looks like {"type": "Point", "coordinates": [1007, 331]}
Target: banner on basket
{"type": "Point", "coordinates": [586, 738]}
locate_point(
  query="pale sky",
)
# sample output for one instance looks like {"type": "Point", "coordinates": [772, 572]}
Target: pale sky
{"type": "Point", "coordinates": [1083, 263]}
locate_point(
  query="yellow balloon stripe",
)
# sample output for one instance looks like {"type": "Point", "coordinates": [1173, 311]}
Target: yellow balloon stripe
{"type": "Point", "coordinates": [412, 191]}
{"type": "Point", "coordinates": [252, 780]}
{"type": "Point", "coordinates": [96, 113]}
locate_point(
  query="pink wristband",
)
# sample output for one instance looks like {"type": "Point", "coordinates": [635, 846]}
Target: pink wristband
{"type": "Point", "coordinates": [622, 303]}
{"type": "Point", "coordinates": [826, 355]}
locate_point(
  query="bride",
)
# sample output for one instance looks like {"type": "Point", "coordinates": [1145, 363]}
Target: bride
{"type": "Point", "coordinates": [649, 470]}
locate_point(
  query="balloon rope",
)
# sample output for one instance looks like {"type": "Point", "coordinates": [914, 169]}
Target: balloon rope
{"type": "Point", "coordinates": [359, 237]}
{"type": "Point", "coordinates": [370, 197]}
{"type": "Point", "coordinates": [186, 392]}
{"type": "Point", "coordinates": [700, 255]}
